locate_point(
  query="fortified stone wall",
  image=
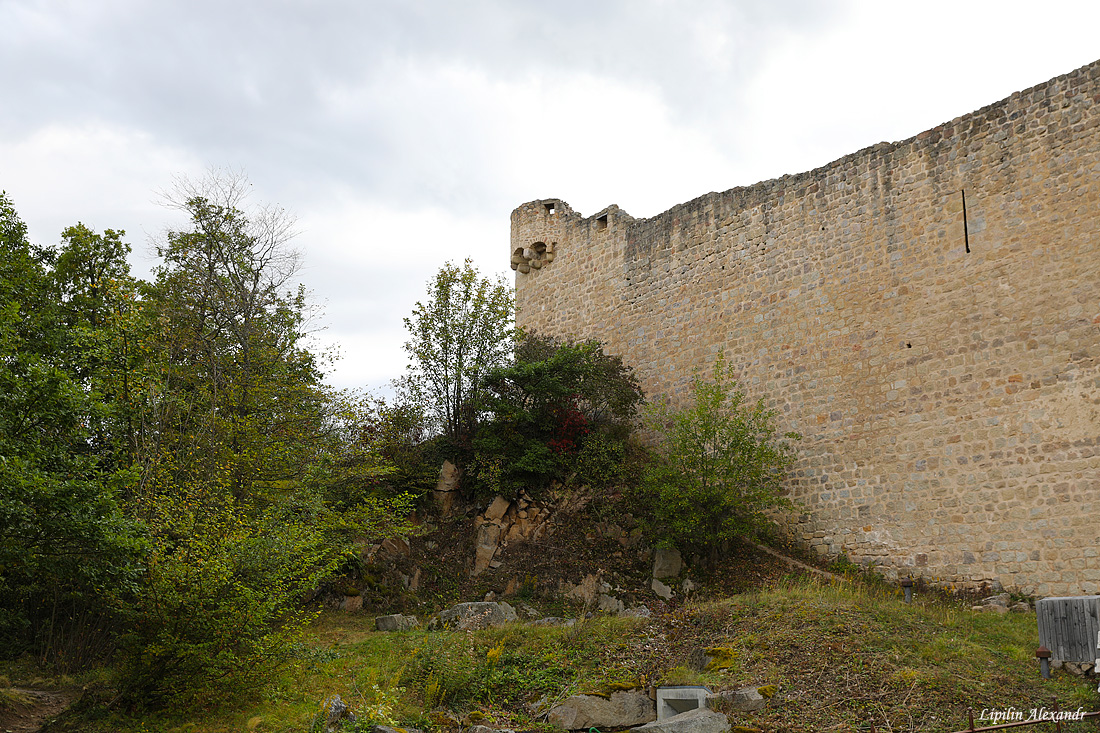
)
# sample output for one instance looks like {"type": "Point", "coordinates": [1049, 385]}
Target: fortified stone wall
{"type": "Point", "coordinates": [925, 313]}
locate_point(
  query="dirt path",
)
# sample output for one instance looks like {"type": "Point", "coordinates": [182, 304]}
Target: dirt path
{"type": "Point", "coordinates": [33, 708]}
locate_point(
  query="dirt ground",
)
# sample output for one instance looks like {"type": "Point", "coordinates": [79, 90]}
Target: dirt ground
{"type": "Point", "coordinates": [31, 709]}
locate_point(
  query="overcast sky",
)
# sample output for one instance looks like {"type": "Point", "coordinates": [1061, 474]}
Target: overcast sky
{"type": "Point", "coordinates": [402, 134]}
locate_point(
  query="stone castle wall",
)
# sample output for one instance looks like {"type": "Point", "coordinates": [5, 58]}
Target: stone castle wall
{"type": "Point", "coordinates": [943, 368]}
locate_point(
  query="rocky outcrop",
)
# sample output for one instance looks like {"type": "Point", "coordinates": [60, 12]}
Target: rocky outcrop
{"type": "Point", "coordinates": [617, 710]}
{"type": "Point", "coordinates": [488, 539]}
{"type": "Point", "coordinates": [446, 488]}
{"type": "Point", "coordinates": [503, 522]}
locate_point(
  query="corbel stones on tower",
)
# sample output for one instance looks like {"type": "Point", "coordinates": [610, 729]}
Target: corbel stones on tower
{"type": "Point", "coordinates": [538, 254]}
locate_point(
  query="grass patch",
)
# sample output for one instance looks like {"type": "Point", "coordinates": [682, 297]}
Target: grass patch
{"type": "Point", "coordinates": [839, 655]}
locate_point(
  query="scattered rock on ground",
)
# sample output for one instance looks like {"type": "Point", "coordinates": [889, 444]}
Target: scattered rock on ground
{"type": "Point", "coordinates": [747, 699]}
{"type": "Point", "coordinates": [527, 611]}
{"type": "Point", "coordinates": [554, 621]}
{"type": "Point", "coordinates": [618, 710]}
{"type": "Point", "coordinates": [473, 616]}
{"type": "Point", "coordinates": [395, 622]}
{"type": "Point", "coordinates": [661, 589]}
{"type": "Point", "coordinates": [336, 713]}
{"type": "Point", "coordinates": [700, 720]}
{"type": "Point", "coordinates": [497, 509]}
{"type": "Point", "coordinates": [1001, 599]}
{"type": "Point", "coordinates": [667, 563]}
{"type": "Point", "coordinates": [610, 604]}
{"type": "Point", "coordinates": [637, 612]}
{"type": "Point", "coordinates": [588, 591]}
{"type": "Point", "coordinates": [1021, 607]}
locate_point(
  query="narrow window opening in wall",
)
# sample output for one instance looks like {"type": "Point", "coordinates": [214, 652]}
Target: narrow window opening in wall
{"type": "Point", "coordinates": [908, 345]}
{"type": "Point", "coordinates": [966, 230]}
{"type": "Point", "coordinates": [601, 222]}
{"type": "Point", "coordinates": [551, 208]}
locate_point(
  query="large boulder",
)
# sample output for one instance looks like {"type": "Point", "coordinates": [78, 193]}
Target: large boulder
{"type": "Point", "coordinates": [395, 622]}
{"type": "Point", "coordinates": [477, 615]}
{"type": "Point", "coordinates": [617, 710]}
{"type": "Point", "coordinates": [667, 563]}
{"type": "Point", "coordinates": [747, 699]}
{"type": "Point", "coordinates": [699, 720]}
{"type": "Point", "coordinates": [661, 589]}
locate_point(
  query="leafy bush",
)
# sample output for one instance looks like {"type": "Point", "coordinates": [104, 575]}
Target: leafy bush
{"type": "Point", "coordinates": [221, 607]}
{"type": "Point", "coordinates": [562, 412]}
{"type": "Point", "coordinates": [720, 469]}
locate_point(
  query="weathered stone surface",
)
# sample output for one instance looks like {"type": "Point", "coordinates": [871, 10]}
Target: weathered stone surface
{"type": "Point", "coordinates": [619, 710]}
{"type": "Point", "coordinates": [661, 589]}
{"type": "Point", "coordinates": [488, 539]}
{"type": "Point", "coordinates": [835, 295]}
{"type": "Point", "coordinates": [747, 699]}
{"type": "Point", "coordinates": [610, 604]}
{"type": "Point", "coordinates": [497, 509]}
{"type": "Point", "coordinates": [337, 713]}
{"type": "Point", "coordinates": [991, 608]}
{"type": "Point", "coordinates": [388, 729]}
{"type": "Point", "coordinates": [395, 546]}
{"type": "Point", "coordinates": [588, 590]}
{"type": "Point", "coordinates": [667, 563]}
{"type": "Point", "coordinates": [554, 621]}
{"type": "Point", "coordinates": [477, 615]}
{"type": "Point", "coordinates": [637, 612]}
{"type": "Point", "coordinates": [700, 720]}
{"type": "Point", "coordinates": [395, 622]}
{"type": "Point", "coordinates": [445, 487]}
{"type": "Point", "coordinates": [352, 604]}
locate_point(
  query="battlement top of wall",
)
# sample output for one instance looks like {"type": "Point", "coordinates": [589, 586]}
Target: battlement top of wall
{"type": "Point", "coordinates": [561, 210]}
{"type": "Point", "coordinates": [1082, 81]}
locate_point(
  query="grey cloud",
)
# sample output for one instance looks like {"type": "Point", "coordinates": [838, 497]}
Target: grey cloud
{"type": "Point", "coordinates": [245, 83]}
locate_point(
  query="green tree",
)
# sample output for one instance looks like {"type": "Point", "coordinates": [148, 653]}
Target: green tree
{"type": "Point", "coordinates": [563, 410]}
{"type": "Point", "coordinates": [64, 542]}
{"type": "Point", "coordinates": [464, 329]}
{"type": "Point", "coordinates": [239, 406]}
{"type": "Point", "coordinates": [720, 468]}
{"type": "Point", "coordinates": [100, 307]}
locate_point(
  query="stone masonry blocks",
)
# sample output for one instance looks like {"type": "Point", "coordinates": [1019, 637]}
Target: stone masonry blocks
{"type": "Point", "coordinates": [924, 312]}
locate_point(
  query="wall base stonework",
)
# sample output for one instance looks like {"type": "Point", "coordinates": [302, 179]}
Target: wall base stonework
{"type": "Point", "coordinates": [926, 313]}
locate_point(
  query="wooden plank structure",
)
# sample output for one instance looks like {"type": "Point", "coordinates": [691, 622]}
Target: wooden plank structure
{"type": "Point", "coordinates": [1070, 627]}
